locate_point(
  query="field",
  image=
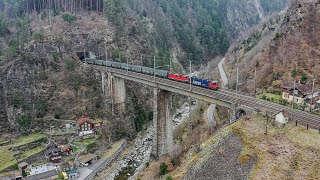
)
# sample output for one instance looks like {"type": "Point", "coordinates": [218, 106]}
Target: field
{"type": "Point", "coordinates": [7, 158]}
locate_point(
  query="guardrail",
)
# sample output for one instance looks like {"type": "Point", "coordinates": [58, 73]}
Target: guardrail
{"type": "Point", "coordinates": [106, 162]}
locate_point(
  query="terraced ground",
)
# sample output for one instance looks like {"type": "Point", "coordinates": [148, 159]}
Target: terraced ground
{"type": "Point", "coordinates": [7, 156]}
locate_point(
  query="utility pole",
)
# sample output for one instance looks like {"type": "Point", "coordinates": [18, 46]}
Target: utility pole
{"type": "Point", "coordinates": [154, 68]}
{"type": "Point", "coordinates": [313, 83]}
{"type": "Point", "coordinates": [190, 76]}
{"type": "Point", "coordinates": [237, 81]}
{"type": "Point", "coordinates": [84, 55]}
{"type": "Point", "coordinates": [127, 63]}
{"type": "Point", "coordinates": [170, 65]}
{"type": "Point", "coordinates": [255, 75]}
{"type": "Point", "coordinates": [190, 123]}
{"type": "Point", "coordinates": [141, 60]}
{"type": "Point", "coordinates": [294, 89]}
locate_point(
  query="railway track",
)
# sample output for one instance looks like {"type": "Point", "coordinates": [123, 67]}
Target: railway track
{"type": "Point", "coordinates": [296, 116]}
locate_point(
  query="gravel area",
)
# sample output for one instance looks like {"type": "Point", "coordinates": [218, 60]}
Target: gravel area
{"type": "Point", "coordinates": [221, 162]}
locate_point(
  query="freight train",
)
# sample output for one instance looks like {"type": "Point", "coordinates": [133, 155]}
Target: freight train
{"type": "Point", "coordinates": [159, 73]}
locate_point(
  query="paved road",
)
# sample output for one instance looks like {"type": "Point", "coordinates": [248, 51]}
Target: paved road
{"type": "Point", "coordinates": [222, 73]}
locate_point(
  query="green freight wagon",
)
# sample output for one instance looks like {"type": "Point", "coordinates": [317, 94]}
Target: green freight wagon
{"type": "Point", "coordinates": [162, 73]}
{"type": "Point", "coordinates": [147, 70]}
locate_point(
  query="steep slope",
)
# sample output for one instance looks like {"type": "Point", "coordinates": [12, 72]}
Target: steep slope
{"type": "Point", "coordinates": [288, 45]}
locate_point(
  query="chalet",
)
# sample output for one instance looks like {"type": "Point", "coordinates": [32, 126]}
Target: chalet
{"type": "Point", "coordinates": [296, 92]}
{"type": "Point", "coordinates": [66, 149]}
{"type": "Point", "coordinates": [97, 123]}
{"type": "Point", "coordinates": [23, 165]}
{"type": "Point", "coordinates": [53, 153]}
{"type": "Point", "coordinates": [85, 126]}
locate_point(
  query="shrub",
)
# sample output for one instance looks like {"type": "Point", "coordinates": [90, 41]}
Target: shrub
{"type": "Point", "coordinates": [69, 18]}
{"type": "Point", "coordinates": [304, 78]}
{"type": "Point", "coordinates": [39, 35]}
{"type": "Point", "coordinates": [70, 65]}
{"type": "Point", "coordinates": [24, 122]}
{"type": "Point", "coordinates": [169, 178]}
{"type": "Point", "coordinates": [294, 73]}
{"type": "Point", "coordinates": [163, 168]}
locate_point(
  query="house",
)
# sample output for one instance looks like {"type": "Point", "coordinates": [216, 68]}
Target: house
{"type": "Point", "coordinates": [85, 126]}
{"type": "Point", "coordinates": [97, 123]}
{"type": "Point", "coordinates": [53, 153]}
{"type": "Point", "coordinates": [66, 149]}
{"type": "Point", "coordinates": [87, 159]}
{"type": "Point", "coordinates": [23, 165]}
{"type": "Point", "coordinates": [318, 104]}
{"type": "Point", "coordinates": [283, 117]}
{"type": "Point", "coordinates": [18, 176]}
{"type": "Point", "coordinates": [43, 172]}
{"type": "Point", "coordinates": [73, 174]}
{"type": "Point", "coordinates": [312, 99]}
{"type": "Point", "coordinates": [296, 92]}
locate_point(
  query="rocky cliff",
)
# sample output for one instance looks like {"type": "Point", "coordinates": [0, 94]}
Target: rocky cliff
{"type": "Point", "coordinates": [282, 49]}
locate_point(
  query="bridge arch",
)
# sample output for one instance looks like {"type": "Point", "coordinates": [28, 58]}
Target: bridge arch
{"type": "Point", "coordinates": [240, 113]}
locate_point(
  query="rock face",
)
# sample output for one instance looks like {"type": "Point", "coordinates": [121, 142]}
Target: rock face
{"type": "Point", "coordinates": [34, 87]}
{"type": "Point", "coordinates": [241, 15]}
{"type": "Point", "coordinates": [221, 162]}
{"type": "Point", "coordinates": [278, 46]}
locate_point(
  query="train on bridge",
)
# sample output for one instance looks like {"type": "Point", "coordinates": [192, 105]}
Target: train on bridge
{"type": "Point", "coordinates": [159, 73]}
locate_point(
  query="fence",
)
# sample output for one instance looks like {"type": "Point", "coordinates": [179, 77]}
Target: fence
{"type": "Point", "coordinates": [106, 162]}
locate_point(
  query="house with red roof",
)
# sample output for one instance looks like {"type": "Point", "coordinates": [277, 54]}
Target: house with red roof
{"type": "Point", "coordinates": [85, 126]}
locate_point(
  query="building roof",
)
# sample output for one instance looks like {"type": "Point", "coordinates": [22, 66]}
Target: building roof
{"type": "Point", "coordinates": [17, 174]}
{"type": "Point", "coordinates": [98, 121]}
{"type": "Point", "coordinates": [22, 164]}
{"type": "Point", "coordinates": [316, 94]}
{"type": "Point", "coordinates": [73, 171]}
{"type": "Point", "coordinates": [304, 88]}
{"type": "Point", "coordinates": [44, 175]}
{"type": "Point", "coordinates": [65, 147]}
{"type": "Point", "coordinates": [83, 120]}
{"type": "Point", "coordinates": [285, 113]}
{"type": "Point", "coordinates": [88, 157]}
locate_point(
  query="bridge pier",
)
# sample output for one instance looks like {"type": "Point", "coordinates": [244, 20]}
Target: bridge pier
{"type": "Point", "coordinates": [162, 123]}
{"type": "Point", "coordinates": [114, 88]}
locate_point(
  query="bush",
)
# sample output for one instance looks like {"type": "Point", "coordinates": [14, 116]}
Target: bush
{"type": "Point", "coordinates": [39, 35]}
{"type": "Point", "coordinates": [70, 65]}
{"type": "Point", "coordinates": [69, 18]}
{"type": "Point", "coordinates": [41, 107]}
{"type": "Point", "coordinates": [304, 78]}
{"type": "Point", "coordinates": [169, 178]}
{"type": "Point", "coordinates": [24, 122]}
{"type": "Point", "coordinates": [163, 168]}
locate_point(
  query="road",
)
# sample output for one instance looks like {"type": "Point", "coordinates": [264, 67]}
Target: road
{"type": "Point", "coordinates": [222, 73]}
